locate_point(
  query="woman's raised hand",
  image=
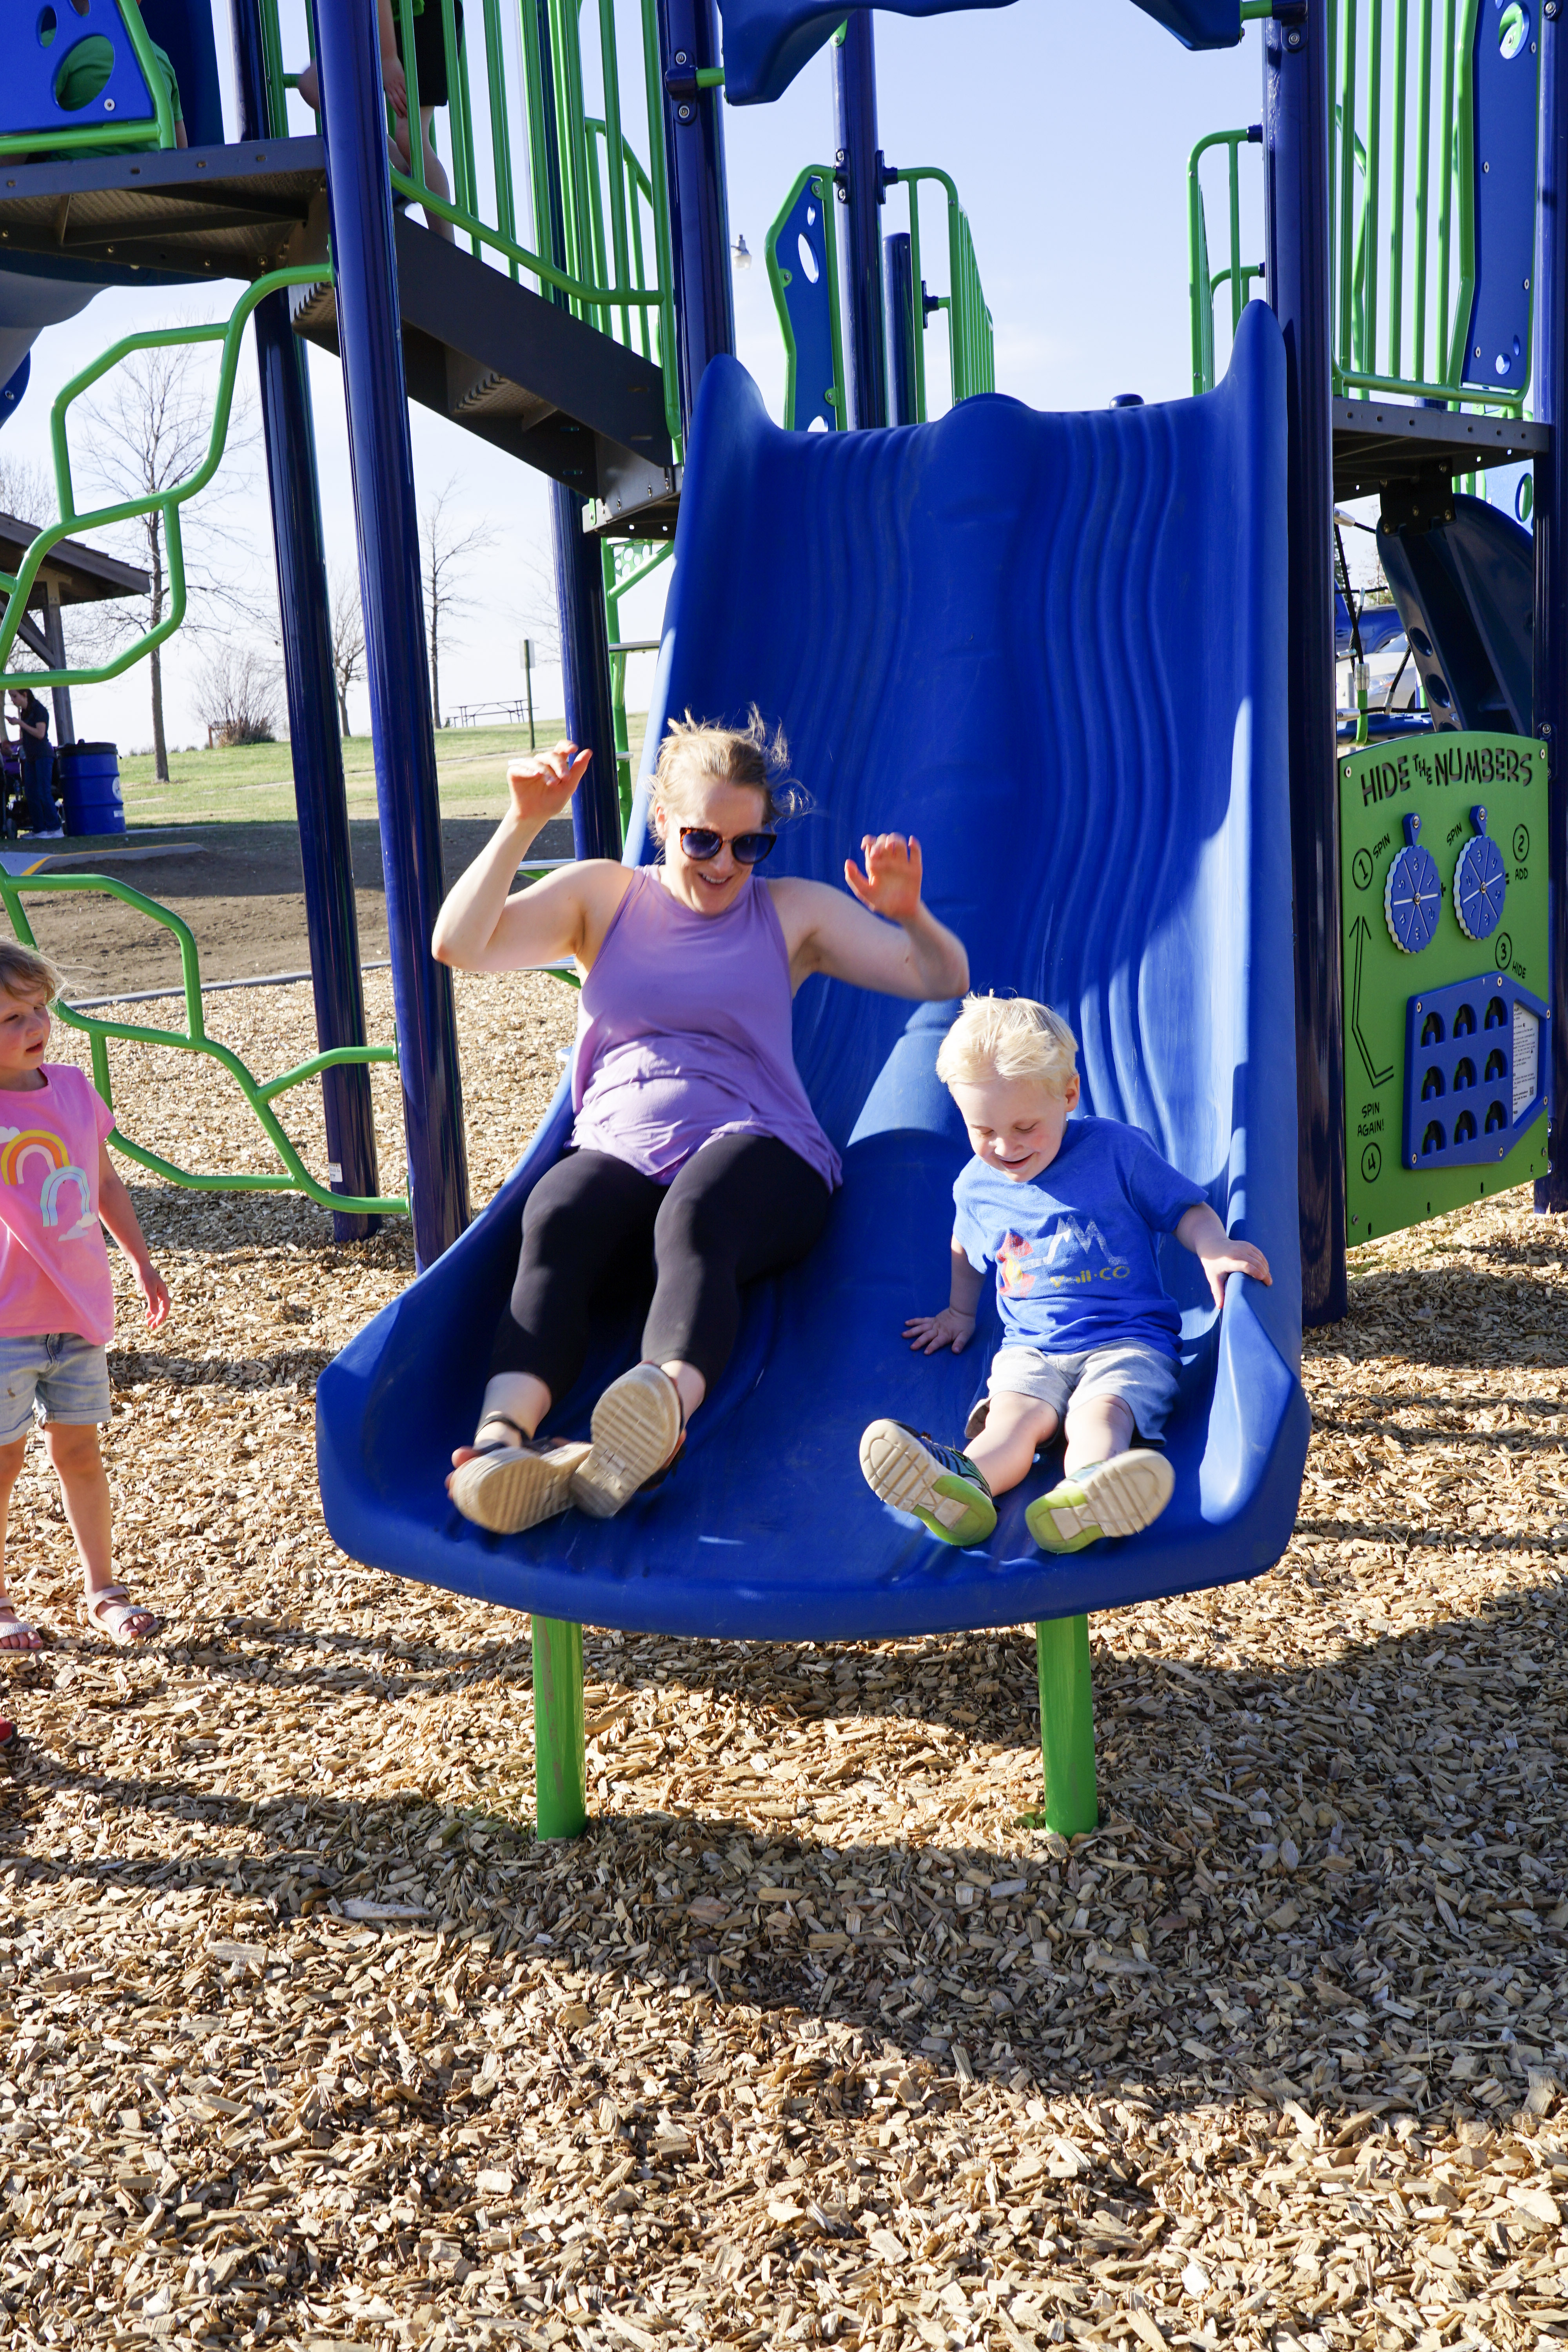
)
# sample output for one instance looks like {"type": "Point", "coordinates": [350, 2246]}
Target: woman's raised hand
{"type": "Point", "coordinates": [890, 885]}
{"type": "Point", "coordinates": [542, 784]}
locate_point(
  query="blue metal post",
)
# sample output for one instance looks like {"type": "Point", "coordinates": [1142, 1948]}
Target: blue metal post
{"type": "Point", "coordinates": [359, 197]}
{"type": "Point", "coordinates": [862, 185]}
{"type": "Point", "coordinates": [904, 323]}
{"type": "Point", "coordinates": [579, 576]}
{"type": "Point", "coordinates": [699, 205]}
{"type": "Point", "coordinates": [1551, 520]}
{"type": "Point", "coordinates": [1296, 184]}
{"type": "Point", "coordinates": [321, 797]}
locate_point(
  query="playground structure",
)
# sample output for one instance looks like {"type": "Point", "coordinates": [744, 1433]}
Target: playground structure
{"type": "Point", "coordinates": [595, 378]}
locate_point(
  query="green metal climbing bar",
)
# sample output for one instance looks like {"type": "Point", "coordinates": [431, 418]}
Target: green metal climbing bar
{"type": "Point", "coordinates": [166, 503]}
{"type": "Point", "coordinates": [296, 1177]}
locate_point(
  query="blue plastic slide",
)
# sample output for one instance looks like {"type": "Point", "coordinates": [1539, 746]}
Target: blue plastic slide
{"type": "Point", "coordinates": [1052, 647]}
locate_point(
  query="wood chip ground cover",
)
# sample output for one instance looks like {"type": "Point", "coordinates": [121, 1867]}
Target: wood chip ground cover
{"type": "Point", "coordinates": [810, 2039]}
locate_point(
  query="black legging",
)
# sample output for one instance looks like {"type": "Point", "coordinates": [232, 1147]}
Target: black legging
{"type": "Point", "coordinates": [743, 1206]}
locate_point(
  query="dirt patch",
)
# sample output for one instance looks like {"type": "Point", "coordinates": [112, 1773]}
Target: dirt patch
{"type": "Point", "coordinates": [242, 893]}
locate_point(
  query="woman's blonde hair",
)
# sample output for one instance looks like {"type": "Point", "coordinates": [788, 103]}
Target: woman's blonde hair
{"type": "Point", "coordinates": [23, 972]}
{"type": "Point", "coordinates": [1007, 1037]}
{"type": "Point", "coordinates": [699, 752]}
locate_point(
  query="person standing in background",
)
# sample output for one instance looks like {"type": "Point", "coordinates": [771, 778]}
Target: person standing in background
{"type": "Point", "coordinates": [32, 723]}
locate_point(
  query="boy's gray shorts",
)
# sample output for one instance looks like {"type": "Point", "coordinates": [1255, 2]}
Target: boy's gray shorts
{"type": "Point", "coordinates": [1141, 1377]}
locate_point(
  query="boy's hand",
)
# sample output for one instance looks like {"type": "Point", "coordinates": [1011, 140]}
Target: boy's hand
{"type": "Point", "coordinates": [1233, 1257]}
{"type": "Point", "coordinates": [541, 783]}
{"type": "Point", "coordinates": [890, 885]}
{"type": "Point", "coordinates": [929, 1334]}
{"type": "Point", "coordinates": [395, 82]}
{"type": "Point", "coordinates": [155, 1291]}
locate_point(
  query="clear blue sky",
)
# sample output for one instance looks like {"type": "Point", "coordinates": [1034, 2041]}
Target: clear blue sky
{"type": "Point", "coordinates": [1068, 131]}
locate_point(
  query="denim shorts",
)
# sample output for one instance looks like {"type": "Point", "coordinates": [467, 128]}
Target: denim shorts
{"type": "Point", "coordinates": [1141, 1377]}
{"type": "Point", "coordinates": [60, 1376]}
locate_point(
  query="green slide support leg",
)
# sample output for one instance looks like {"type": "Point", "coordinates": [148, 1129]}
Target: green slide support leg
{"type": "Point", "coordinates": [561, 1795]}
{"type": "Point", "coordinates": [1067, 1726]}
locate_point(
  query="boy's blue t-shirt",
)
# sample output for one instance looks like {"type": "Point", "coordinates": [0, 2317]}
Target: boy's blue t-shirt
{"type": "Point", "coordinates": [1075, 1249]}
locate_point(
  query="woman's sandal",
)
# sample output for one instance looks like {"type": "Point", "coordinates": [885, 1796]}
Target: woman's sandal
{"type": "Point", "coordinates": [11, 1624]}
{"type": "Point", "coordinates": [638, 1429]}
{"type": "Point", "coordinates": [111, 1610]}
{"type": "Point", "coordinates": [511, 1484]}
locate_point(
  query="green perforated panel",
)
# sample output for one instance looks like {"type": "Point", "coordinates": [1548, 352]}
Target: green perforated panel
{"type": "Point", "coordinates": [1438, 779]}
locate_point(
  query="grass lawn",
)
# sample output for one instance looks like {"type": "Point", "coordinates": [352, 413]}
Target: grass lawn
{"type": "Point", "coordinates": [255, 784]}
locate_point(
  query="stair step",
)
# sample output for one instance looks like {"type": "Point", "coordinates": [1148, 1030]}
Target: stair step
{"type": "Point", "coordinates": [163, 216]}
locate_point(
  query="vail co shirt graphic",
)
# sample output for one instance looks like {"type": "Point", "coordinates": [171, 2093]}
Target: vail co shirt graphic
{"type": "Point", "coordinates": [1022, 1264]}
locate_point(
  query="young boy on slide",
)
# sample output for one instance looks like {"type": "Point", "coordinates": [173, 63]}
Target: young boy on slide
{"type": "Point", "coordinates": [1069, 1212]}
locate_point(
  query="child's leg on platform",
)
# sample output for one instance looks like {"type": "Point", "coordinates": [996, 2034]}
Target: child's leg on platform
{"type": "Point", "coordinates": [1015, 1426]}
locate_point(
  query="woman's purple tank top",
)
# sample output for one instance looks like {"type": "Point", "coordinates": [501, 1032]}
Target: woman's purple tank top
{"type": "Point", "coordinates": [684, 1034]}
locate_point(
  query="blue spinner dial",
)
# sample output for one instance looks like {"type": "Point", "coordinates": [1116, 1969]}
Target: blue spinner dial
{"type": "Point", "coordinates": [1480, 882]}
{"type": "Point", "coordinates": [1413, 894]}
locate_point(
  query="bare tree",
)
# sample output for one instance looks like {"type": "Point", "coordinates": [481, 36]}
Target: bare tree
{"type": "Point", "coordinates": [146, 434]}
{"type": "Point", "coordinates": [236, 691]}
{"type": "Point", "coordinates": [27, 491]}
{"type": "Point", "coordinates": [445, 552]}
{"type": "Point", "coordinates": [348, 636]}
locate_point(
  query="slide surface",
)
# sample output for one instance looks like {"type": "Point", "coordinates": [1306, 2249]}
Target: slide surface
{"type": "Point", "coordinates": [1053, 647]}
{"type": "Point", "coordinates": [1465, 592]}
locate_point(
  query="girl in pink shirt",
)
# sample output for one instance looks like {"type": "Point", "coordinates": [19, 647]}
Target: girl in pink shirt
{"type": "Point", "coordinates": [57, 1299]}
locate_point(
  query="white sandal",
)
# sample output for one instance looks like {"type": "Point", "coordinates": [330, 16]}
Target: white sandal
{"type": "Point", "coordinates": [112, 1602]}
{"type": "Point", "coordinates": [507, 1488]}
{"type": "Point", "coordinates": [11, 1622]}
{"type": "Point", "coordinates": [637, 1427]}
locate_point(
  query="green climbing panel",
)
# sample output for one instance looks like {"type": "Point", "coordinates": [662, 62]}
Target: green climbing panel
{"type": "Point", "coordinates": [1444, 913]}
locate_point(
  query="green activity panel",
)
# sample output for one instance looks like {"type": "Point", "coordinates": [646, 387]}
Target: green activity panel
{"type": "Point", "coordinates": [1444, 936]}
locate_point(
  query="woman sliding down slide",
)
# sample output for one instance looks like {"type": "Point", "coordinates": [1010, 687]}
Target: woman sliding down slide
{"type": "Point", "coordinates": [693, 1132]}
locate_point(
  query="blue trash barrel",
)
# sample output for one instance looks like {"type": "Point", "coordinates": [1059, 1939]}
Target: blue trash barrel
{"type": "Point", "coordinates": [90, 786]}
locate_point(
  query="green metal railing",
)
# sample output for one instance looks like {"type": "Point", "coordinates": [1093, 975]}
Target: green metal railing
{"type": "Point", "coordinates": [1402, 200]}
{"type": "Point", "coordinates": [627, 563]}
{"type": "Point", "coordinates": [971, 334]}
{"type": "Point", "coordinates": [19, 587]}
{"type": "Point", "coordinates": [296, 1177]}
{"type": "Point", "coordinates": [971, 348]}
{"type": "Point", "coordinates": [98, 136]}
{"type": "Point", "coordinates": [615, 267]}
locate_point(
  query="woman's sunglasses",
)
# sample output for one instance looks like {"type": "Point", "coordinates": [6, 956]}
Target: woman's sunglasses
{"type": "Point", "coordinates": [700, 842]}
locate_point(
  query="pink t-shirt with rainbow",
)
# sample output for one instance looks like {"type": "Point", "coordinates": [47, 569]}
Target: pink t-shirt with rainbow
{"type": "Point", "coordinates": [54, 1267]}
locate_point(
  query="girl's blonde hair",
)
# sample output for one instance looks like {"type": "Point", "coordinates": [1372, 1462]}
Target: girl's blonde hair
{"type": "Point", "coordinates": [699, 752]}
{"type": "Point", "coordinates": [23, 972]}
{"type": "Point", "coordinates": [1007, 1037]}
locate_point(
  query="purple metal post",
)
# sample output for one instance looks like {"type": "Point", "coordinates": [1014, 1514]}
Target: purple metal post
{"type": "Point", "coordinates": [1551, 521]}
{"type": "Point", "coordinates": [359, 197]}
{"type": "Point", "coordinates": [862, 184]}
{"type": "Point", "coordinates": [579, 576]}
{"type": "Point", "coordinates": [1296, 186]}
{"type": "Point", "coordinates": [904, 323]}
{"type": "Point", "coordinates": [304, 613]}
{"type": "Point", "coordinates": [699, 205]}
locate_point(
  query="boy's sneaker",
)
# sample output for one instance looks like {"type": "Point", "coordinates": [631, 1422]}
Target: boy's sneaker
{"type": "Point", "coordinates": [941, 1485]}
{"type": "Point", "coordinates": [1110, 1499]}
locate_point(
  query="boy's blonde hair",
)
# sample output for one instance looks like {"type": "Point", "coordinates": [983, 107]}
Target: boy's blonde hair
{"type": "Point", "coordinates": [25, 972]}
{"type": "Point", "coordinates": [1007, 1037]}
{"type": "Point", "coordinates": [700, 752]}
